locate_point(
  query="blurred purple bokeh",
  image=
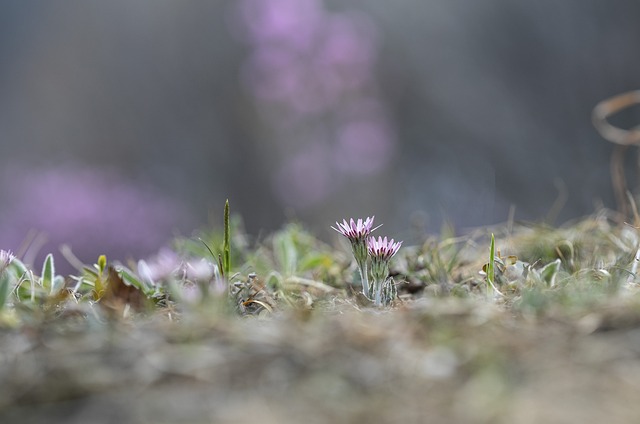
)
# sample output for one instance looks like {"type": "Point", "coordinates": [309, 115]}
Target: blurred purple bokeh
{"type": "Point", "coordinates": [312, 74]}
{"type": "Point", "coordinates": [122, 122]}
{"type": "Point", "coordinates": [93, 212]}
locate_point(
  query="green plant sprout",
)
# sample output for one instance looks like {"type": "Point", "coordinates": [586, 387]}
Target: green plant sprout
{"type": "Point", "coordinates": [226, 248]}
{"type": "Point", "coordinates": [491, 270]}
{"type": "Point", "coordinates": [49, 280]}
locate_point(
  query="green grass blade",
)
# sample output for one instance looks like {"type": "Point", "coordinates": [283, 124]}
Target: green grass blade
{"type": "Point", "coordinates": [48, 273]}
{"type": "Point", "coordinates": [226, 247]}
{"type": "Point", "coordinates": [491, 267]}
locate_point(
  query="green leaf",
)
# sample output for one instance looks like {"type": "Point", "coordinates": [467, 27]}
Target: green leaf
{"type": "Point", "coordinates": [315, 260]}
{"type": "Point", "coordinates": [90, 273]}
{"type": "Point", "coordinates": [5, 283]}
{"type": "Point", "coordinates": [132, 280]}
{"type": "Point", "coordinates": [274, 280]}
{"type": "Point", "coordinates": [58, 284]}
{"type": "Point", "coordinates": [549, 271]}
{"type": "Point", "coordinates": [48, 274]}
{"type": "Point", "coordinates": [19, 268]}
{"type": "Point", "coordinates": [285, 252]}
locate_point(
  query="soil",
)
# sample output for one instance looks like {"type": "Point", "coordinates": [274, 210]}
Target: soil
{"type": "Point", "coordinates": [435, 360]}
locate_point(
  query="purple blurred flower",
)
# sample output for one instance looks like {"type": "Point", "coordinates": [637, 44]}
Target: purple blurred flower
{"type": "Point", "coordinates": [275, 21]}
{"type": "Point", "coordinates": [308, 68]}
{"type": "Point", "coordinates": [161, 266]}
{"type": "Point", "coordinates": [95, 212]}
{"type": "Point", "coordinates": [348, 50]}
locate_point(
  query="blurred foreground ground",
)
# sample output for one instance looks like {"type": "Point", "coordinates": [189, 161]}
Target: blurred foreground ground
{"type": "Point", "coordinates": [435, 361]}
{"type": "Point", "coordinates": [561, 344]}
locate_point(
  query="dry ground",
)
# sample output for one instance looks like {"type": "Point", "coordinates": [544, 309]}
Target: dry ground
{"type": "Point", "coordinates": [435, 361]}
{"type": "Point", "coordinates": [562, 345]}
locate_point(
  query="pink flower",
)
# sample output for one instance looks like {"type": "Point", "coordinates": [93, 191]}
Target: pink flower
{"type": "Point", "coordinates": [356, 230]}
{"type": "Point", "coordinates": [357, 233]}
{"type": "Point", "coordinates": [380, 251]}
{"type": "Point", "coordinates": [383, 249]}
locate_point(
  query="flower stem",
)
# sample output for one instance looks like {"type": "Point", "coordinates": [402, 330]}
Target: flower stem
{"type": "Point", "coordinates": [378, 300]}
{"type": "Point", "coordinates": [364, 278]}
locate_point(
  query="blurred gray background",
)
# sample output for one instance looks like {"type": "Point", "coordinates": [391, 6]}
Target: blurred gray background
{"type": "Point", "coordinates": [125, 122]}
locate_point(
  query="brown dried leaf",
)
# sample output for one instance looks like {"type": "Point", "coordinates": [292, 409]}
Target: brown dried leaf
{"type": "Point", "coordinates": [119, 294]}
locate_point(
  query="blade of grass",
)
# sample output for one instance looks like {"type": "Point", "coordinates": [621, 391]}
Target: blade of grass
{"type": "Point", "coordinates": [226, 247]}
{"type": "Point", "coordinates": [48, 273]}
{"type": "Point", "coordinates": [491, 267]}
{"type": "Point", "coordinates": [491, 271]}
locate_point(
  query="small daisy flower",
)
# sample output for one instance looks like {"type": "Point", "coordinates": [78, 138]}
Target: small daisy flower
{"type": "Point", "coordinates": [382, 248]}
{"type": "Point", "coordinates": [358, 232]}
{"type": "Point", "coordinates": [381, 252]}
